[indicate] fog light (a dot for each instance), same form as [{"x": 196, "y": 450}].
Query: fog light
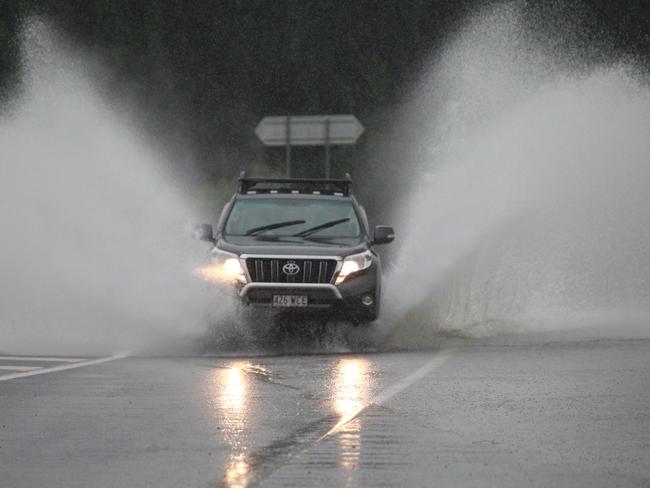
[{"x": 367, "y": 300}]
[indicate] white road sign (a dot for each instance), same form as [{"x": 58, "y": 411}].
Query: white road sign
[{"x": 309, "y": 130}]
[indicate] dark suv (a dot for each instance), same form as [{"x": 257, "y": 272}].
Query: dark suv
[{"x": 299, "y": 246}]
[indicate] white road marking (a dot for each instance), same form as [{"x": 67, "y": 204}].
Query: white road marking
[
  {"x": 40, "y": 358},
  {"x": 15, "y": 367},
  {"x": 63, "y": 367},
  {"x": 393, "y": 390}
]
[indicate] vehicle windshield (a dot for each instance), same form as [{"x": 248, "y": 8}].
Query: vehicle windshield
[{"x": 300, "y": 220}]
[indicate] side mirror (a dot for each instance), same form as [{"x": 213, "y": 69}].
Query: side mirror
[
  {"x": 203, "y": 232},
  {"x": 383, "y": 234}
]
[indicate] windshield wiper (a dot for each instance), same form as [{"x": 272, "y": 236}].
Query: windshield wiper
[
  {"x": 318, "y": 228},
  {"x": 274, "y": 238},
  {"x": 277, "y": 225}
]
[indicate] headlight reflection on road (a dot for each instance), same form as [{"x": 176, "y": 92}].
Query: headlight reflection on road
[
  {"x": 233, "y": 398},
  {"x": 231, "y": 386},
  {"x": 237, "y": 471},
  {"x": 351, "y": 391},
  {"x": 349, "y": 386}
]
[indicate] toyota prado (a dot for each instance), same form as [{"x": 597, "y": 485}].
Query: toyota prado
[{"x": 298, "y": 245}]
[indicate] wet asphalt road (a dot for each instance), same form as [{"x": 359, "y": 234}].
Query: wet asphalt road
[{"x": 475, "y": 414}]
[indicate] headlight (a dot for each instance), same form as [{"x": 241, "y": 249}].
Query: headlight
[
  {"x": 354, "y": 263},
  {"x": 225, "y": 268},
  {"x": 232, "y": 268}
]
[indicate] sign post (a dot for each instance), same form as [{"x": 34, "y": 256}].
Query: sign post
[
  {"x": 327, "y": 148},
  {"x": 287, "y": 156},
  {"x": 309, "y": 130}
]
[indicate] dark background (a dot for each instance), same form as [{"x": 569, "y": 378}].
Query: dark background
[{"x": 206, "y": 72}]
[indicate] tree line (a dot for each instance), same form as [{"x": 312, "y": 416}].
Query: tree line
[{"x": 208, "y": 70}]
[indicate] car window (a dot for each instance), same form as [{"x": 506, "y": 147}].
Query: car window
[{"x": 249, "y": 214}]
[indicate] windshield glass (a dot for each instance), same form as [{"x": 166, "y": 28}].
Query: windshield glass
[{"x": 293, "y": 219}]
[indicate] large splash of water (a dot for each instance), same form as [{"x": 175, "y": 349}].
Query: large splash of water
[
  {"x": 95, "y": 255},
  {"x": 532, "y": 207}
]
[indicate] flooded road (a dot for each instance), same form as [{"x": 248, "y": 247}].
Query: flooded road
[{"x": 475, "y": 414}]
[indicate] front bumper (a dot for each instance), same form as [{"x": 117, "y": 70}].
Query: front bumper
[{"x": 326, "y": 300}]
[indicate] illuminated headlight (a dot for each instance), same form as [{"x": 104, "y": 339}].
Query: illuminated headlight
[
  {"x": 232, "y": 268},
  {"x": 354, "y": 263},
  {"x": 225, "y": 268}
]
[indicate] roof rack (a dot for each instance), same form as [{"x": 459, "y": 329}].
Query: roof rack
[{"x": 317, "y": 186}]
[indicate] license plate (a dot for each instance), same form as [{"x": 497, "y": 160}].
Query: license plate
[{"x": 290, "y": 301}]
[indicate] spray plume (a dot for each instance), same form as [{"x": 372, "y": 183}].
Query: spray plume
[
  {"x": 95, "y": 256},
  {"x": 532, "y": 208}
]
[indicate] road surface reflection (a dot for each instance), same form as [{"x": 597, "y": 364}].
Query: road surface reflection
[
  {"x": 349, "y": 387},
  {"x": 231, "y": 388},
  {"x": 351, "y": 391}
]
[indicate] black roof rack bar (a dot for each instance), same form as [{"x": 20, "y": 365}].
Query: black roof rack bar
[{"x": 305, "y": 184}]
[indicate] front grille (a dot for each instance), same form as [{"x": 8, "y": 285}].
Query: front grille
[{"x": 270, "y": 270}]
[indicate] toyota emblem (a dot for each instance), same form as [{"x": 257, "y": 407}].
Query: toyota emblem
[{"x": 291, "y": 269}]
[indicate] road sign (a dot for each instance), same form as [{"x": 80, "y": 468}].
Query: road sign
[{"x": 309, "y": 130}]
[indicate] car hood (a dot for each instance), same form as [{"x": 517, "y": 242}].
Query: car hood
[{"x": 281, "y": 249}]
